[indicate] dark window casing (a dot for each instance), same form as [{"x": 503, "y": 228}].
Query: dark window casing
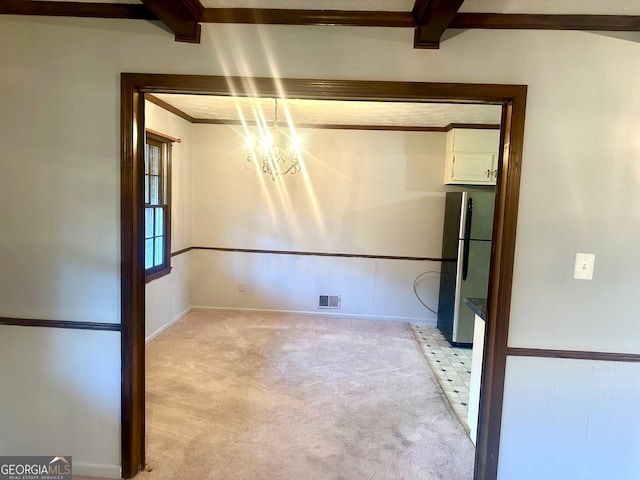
[{"x": 157, "y": 206}]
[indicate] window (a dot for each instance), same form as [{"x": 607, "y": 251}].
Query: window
[{"x": 157, "y": 206}]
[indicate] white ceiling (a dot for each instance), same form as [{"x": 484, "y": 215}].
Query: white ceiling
[
  {"x": 551, "y": 7},
  {"x": 322, "y": 112}
]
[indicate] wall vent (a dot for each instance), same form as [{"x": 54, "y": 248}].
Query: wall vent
[{"x": 329, "y": 301}]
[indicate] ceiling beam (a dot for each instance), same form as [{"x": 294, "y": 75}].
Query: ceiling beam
[
  {"x": 190, "y": 12},
  {"x": 608, "y": 23},
  {"x": 180, "y": 16},
  {"x": 307, "y": 17},
  {"x": 76, "y": 9},
  {"x": 432, "y": 18}
]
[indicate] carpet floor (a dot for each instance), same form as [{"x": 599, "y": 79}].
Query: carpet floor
[{"x": 251, "y": 396}]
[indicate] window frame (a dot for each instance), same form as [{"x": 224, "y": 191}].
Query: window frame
[{"x": 164, "y": 186}]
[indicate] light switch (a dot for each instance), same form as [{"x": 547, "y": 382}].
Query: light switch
[{"x": 583, "y": 268}]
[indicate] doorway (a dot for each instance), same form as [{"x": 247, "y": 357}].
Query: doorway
[{"x": 511, "y": 97}]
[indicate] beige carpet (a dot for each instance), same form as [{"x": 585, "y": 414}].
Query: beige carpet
[{"x": 242, "y": 396}]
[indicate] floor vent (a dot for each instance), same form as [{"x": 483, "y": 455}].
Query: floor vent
[{"x": 329, "y": 301}]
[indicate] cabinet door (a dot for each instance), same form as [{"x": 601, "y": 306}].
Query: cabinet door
[
  {"x": 472, "y": 169},
  {"x": 473, "y": 141}
]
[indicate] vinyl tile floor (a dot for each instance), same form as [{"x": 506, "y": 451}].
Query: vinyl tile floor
[{"x": 451, "y": 366}]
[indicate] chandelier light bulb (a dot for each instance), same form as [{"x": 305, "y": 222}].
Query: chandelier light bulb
[
  {"x": 296, "y": 143},
  {"x": 278, "y": 155}
]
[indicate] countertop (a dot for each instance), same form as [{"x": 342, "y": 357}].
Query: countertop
[{"x": 477, "y": 306}]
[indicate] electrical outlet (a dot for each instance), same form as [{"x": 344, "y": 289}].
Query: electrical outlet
[{"x": 583, "y": 268}]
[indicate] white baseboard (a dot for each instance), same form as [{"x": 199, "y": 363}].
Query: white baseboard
[
  {"x": 167, "y": 325},
  {"x": 323, "y": 313},
  {"x": 97, "y": 470}
]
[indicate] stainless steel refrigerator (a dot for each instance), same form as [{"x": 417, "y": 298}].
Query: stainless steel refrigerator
[{"x": 466, "y": 250}]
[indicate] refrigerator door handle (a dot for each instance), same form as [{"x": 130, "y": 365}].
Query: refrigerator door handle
[{"x": 467, "y": 239}]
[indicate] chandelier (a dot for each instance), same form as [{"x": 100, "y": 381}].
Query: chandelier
[{"x": 275, "y": 154}]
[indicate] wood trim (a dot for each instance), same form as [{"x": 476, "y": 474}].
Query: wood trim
[
  {"x": 265, "y": 87},
  {"x": 322, "y": 254},
  {"x": 190, "y": 37},
  {"x": 311, "y": 254},
  {"x": 500, "y": 284},
  {"x": 612, "y": 23},
  {"x": 603, "y": 23},
  {"x": 512, "y": 97},
  {"x": 32, "y": 322},
  {"x": 168, "y": 212},
  {"x": 215, "y": 121},
  {"x": 330, "y": 126},
  {"x": 165, "y": 171},
  {"x": 76, "y": 9},
  {"x": 195, "y": 8},
  {"x": 432, "y": 18},
  {"x": 132, "y": 277},
  {"x": 573, "y": 354},
  {"x": 180, "y": 16},
  {"x": 180, "y": 252},
  {"x": 266, "y": 16},
  {"x": 377, "y": 128},
  {"x": 473, "y": 126},
  {"x": 168, "y": 107},
  {"x": 163, "y": 135},
  {"x": 158, "y": 273}
]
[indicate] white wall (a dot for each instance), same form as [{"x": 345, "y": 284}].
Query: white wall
[
  {"x": 167, "y": 298},
  {"x": 59, "y": 255},
  {"x": 61, "y": 395},
  {"x": 360, "y": 192},
  {"x": 575, "y": 418},
  {"x": 59, "y": 87},
  {"x": 363, "y": 192},
  {"x": 376, "y": 289}
]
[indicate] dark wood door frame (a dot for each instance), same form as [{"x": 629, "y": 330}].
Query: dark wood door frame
[{"x": 133, "y": 88}]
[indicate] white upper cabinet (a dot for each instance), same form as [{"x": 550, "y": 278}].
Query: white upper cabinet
[{"x": 472, "y": 156}]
